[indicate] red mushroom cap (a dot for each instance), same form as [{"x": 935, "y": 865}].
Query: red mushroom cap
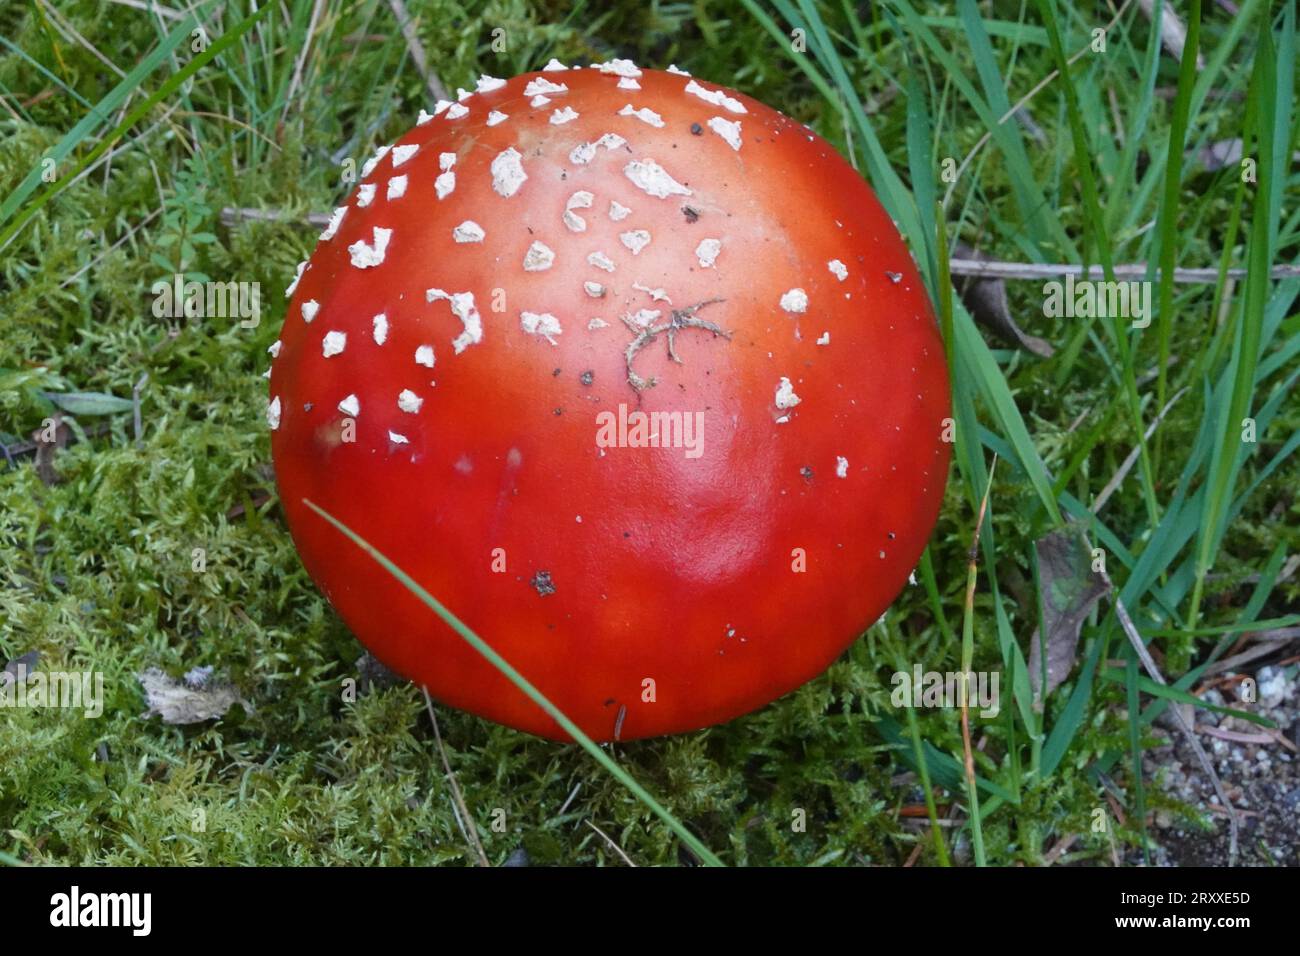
[{"x": 528, "y": 292}]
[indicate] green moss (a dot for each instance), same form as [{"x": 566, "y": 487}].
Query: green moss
[{"x": 97, "y": 571}]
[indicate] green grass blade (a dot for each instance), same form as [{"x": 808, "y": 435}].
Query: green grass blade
[
  {"x": 1167, "y": 220},
  {"x": 1169, "y": 692},
  {"x": 1135, "y": 747},
  {"x": 1227, "y": 458},
  {"x": 518, "y": 679}
]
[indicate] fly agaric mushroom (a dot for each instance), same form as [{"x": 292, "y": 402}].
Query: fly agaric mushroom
[{"x": 632, "y": 372}]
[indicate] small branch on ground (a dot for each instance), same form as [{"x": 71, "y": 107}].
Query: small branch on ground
[
  {"x": 1149, "y": 665},
  {"x": 412, "y": 37},
  {"x": 467, "y": 821}
]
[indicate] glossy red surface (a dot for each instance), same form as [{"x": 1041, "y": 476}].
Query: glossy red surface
[{"x": 665, "y": 567}]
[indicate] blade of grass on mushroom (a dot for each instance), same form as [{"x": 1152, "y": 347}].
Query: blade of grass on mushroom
[{"x": 518, "y": 679}]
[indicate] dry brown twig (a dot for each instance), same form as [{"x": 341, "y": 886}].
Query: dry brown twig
[
  {"x": 1132, "y": 458},
  {"x": 617, "y": 849},
  {"x": 412, "y": 37},
  {"x": 1149, "y": 665},
  {"x": 302, "y": 58},
  {"x": 466, "y": 821},
  {"x": 971, "y": 572}
]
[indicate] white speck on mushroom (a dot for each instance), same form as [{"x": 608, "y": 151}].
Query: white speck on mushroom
[
  {"x": 824, "y": 339},
  {"x": 635, "y": 239},
  {"x": 565, "y": 114},
  {"x": 410, "y": 403},
  {"x": 446, "y": 161},
  {"x": 508, "y": 172},
  {"x": 297, "y": 277},
  {"x": 380, "y": 328},
  {"x": 350, "y": 406},
  {"x": 716, "y": 97},
  {"x": 396, "y": 188},
  {"x": 601, "y": 261},
  {"x": 398, "y": 439},
  {"x": 617, "y": 211},
  {"x": 654, "y": 179},
  {"x": 441, "y": 107},
  {"x": 468, "y": 231},
  {"x": 594, "y": 289},
  {"x": 496, "y": 116},
  {"x": 423, "y": 118},
  {"x": 727, "y": 129},
  {"x": 597, "y": 324},
  {"x": 462, "y": 306},
  {"x": 795, "y": 301},
  {"x": 645, "y": 115},
  {"x": 841, "y": 467},
  {"x": 369, "y": 165},
  {"x": 365, "y": 195},
  {"x": 539, "y": 257},
  {"x": 539, "y": 100},
  {"x": 333, "y": 343},
  {"x": 273, "y": 413},
  {"x": 553, "y": 65},
  {"x": 456, "y": 111},
  {"x": 656, "y": 295},
  {"x": 309, "y": 310},
  {"x": 582, "y": 199},
  {"x": 584, "y": 153},
  {"x": 445, "y": 184},
  {"x": 366, "y": 255},
  {"x": 839, "y": 269},
  {"x": 541, "y": 323},
  {"x": 539, "y": 85},
  {"x": 643, "y": 317},
  {"x": 620, "y": 68},
  {"x": 274, "y": 348},
  {"x": 627, "y": 83},
  {"x": 486, "y": 84},
  {"x": 707, "y": 252},
  {"x": 402, "y": 153},
  {"x": 424, "y": 356},
  {"x": 336, "y": 220},
  {"x": 673, "y": 68},
  {"x": 462, "y": 94},
  {"x": 785, "y": 396}
]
